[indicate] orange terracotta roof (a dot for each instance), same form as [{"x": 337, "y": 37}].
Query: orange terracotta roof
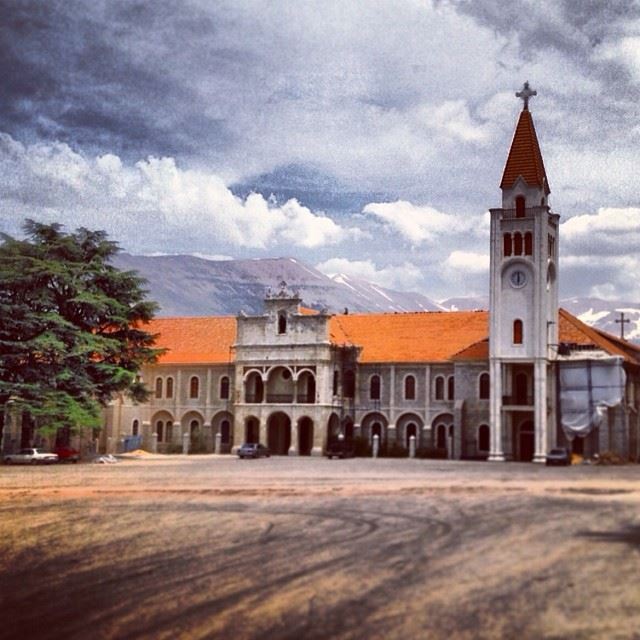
[
  {"x": 203, "y": 340},
  {"x": 476, "y": 351},
  {"x": 437, "y": 336},
  {"x": 525, "y": 158},
  {"x": 409, "y": 337}
]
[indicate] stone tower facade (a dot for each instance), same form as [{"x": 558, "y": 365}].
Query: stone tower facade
[{"x": 523, "y": 302}]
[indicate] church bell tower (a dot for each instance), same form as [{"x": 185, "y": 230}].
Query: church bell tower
[{"x": 523, "y": 301}]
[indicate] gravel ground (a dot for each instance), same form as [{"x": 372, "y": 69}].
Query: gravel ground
[{"x": 215, "y": 547}]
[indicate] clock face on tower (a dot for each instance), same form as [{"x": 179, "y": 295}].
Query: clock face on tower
[{"x": 518, "y": 278}]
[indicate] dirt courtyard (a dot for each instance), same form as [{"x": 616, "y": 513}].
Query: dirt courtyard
[{"x": 215, "y": 547}]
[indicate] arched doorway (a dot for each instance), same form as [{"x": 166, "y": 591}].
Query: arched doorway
[
  {"x": 305, "y": 436},
  {"x": 526, "y": 441},
  {"x": 333, "y": 428},
  {"x": 411, "y": 430},
  {"x": 279, "y": 433},
  {"x": 252, "y": 430}
]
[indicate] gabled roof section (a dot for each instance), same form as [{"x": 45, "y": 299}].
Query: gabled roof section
[
  {"x": 203, "y": 340},
  {"x": 574, "y": 331},
  {"x": 476, "y": 351},
  {"x": 432, "y": 336},
  {"x": 525, "y": 158}
]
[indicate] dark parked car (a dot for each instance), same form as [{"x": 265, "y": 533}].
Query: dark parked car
[
  {"x": 253, "y": 450},
  {"x": 559, "y": 456},
  {"x": 67, "y": 454},
  {"x": 340, "y": 449}
]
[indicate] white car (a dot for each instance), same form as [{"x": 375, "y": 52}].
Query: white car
[{"x": 31, "y": 456}]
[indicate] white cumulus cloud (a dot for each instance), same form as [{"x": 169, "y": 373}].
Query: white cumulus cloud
[
  {"x": 417, "y": 224},
  {"x": 136, "y": 202}
]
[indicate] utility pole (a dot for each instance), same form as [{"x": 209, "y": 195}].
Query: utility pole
[{"x": 622, "y": 321}]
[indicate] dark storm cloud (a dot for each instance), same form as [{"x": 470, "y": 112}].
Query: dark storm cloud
[{"x": 98, "y": 76}]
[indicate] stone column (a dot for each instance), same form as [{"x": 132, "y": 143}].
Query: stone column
[
  {"x": 186, "y": 438},
  {"x": 293, "y": 447},
  {"x": 154, "y": 442},
  {"x": 218, "y": 446},
  {"x": 412, "y": 446},
  {"x": 496, "y": 454},
  {"x": 540, "y": 410}
]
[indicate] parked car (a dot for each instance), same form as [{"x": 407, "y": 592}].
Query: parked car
[
  {"x": 253, "y": 450},
  {"x": 67, "y": 454},
  {"x": 31, "y": 456},
  {"x": 559, "y": 456},
  {"x": 340, "y": 449}
]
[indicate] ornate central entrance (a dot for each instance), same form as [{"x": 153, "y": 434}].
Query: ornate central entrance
[{"x": 279, "y": 433}]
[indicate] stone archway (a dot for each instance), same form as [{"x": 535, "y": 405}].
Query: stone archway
[
  {"x": 252, "y": 430},
  {"x": 279, "y": 433},
  {"x": 305, "y": 436}
]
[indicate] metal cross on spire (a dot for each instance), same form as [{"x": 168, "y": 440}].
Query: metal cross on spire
[{"x": 525, "y": 94}]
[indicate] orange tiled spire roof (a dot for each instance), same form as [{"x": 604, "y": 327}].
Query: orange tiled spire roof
[{"x": 525, "y": 158}]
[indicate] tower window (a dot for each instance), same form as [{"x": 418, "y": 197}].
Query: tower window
[
  {"x": 409, "y": 388},
  {"x": 158, "y": 387},
  {"x": 450, "y": 388},
  {"x": 282, "y": 322},
  {"x": 506, "y": 241},
  {"x": 528, "y": 244},
  {"x": 374, "y": 388},
  {"x": 520, "y": 202},
  {"x": 335, "y": 383},
  {"x": 484, "y": 386},
  {"x": 194, "y": 387},
  {"x": 439, "y": 388},
  {"x": 169, "y": 388},
  {"x": 517, "y": 332},
  {"x": 517, "y": 244}
]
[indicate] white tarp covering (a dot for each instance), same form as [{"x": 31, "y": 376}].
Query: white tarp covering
[{"x": 587, "y": 388}]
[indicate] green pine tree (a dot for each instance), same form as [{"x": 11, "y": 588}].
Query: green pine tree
[{"x": 72, "y": 326}]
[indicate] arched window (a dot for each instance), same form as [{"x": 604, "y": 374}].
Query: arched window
[
  {"x": 158, "y": 387},
  {"x": 528, "y": 244},
  {"x": 349, "y": 384},
  {"x": 194, "y": 387},
  {"x": 450, "y": 387},
  {"x": 376, "y": 430},
  {"x": 335, "y": 383},
  {"x": 507, "y": 248},
  {"x": 374, "y": 388},
  {"x": 520, "y": 203},
  {"x": 484, "y": 386},
  {"x": 517, "y": 332},
  {"x": 135, "y": 427},
  {"x": 169, "y": 388},
  {"x": 483, "y": 437},
  {"x": 225, "y": 432},
  {"x": 160, "y": 430},
  {"x": 517, "y": 244},
  {"x": 282, "y": 322},
  {"x": 224, "y": 388},
  {"x": 439, "y": 388},
  {"x": 409, "y": 388}
]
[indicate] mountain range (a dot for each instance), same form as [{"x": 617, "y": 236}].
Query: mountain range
[{"x": 185, "y": 285}]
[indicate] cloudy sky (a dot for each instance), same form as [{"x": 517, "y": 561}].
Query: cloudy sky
[{"x": 364, "y": 137}]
